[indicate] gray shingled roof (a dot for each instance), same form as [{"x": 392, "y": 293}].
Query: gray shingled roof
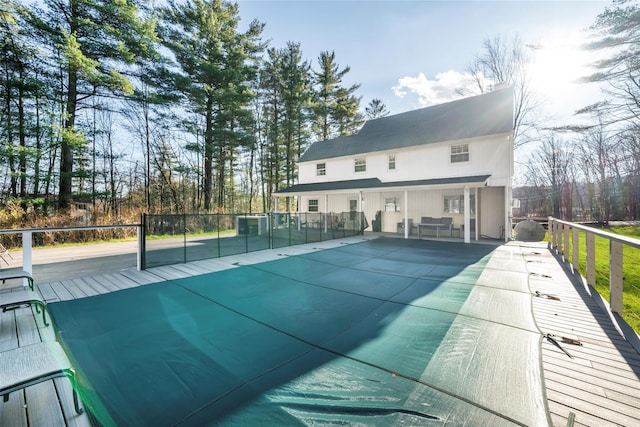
[
  {"x": 482, "y": 115},
  {"x": 370, "y": 183}
]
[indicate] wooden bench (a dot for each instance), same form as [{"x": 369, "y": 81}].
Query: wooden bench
[{"x": 429, "y": 223}]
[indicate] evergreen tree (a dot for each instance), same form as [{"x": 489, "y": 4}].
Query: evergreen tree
[
  {"x": 286, "y": 88},
  {"x": 215, "y": 67},
  {"x": 376, "y": 109},
  {"x": 617, "y": 33},
  {"x": 335, "y": 107}
]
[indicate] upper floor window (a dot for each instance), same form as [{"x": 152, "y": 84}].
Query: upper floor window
[
  {"x": 392, "y": 162},
  {"x": 460, "y": 153},
  {"x": 313, "y": 205},
  {"x": 321, "y": 169},
  {"x": 360, "y": 165}
]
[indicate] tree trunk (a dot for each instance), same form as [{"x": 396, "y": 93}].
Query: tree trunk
[
  {"x": 208, "y": 156},
  {"x": 66, "y": 148}
]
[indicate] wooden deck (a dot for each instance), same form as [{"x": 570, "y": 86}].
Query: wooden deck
[{"x": 600, "y": 385}]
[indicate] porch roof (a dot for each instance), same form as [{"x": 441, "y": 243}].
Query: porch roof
[{"x": 375, "y": 183}]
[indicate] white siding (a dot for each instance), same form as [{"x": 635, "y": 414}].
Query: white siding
[
  {"x": 490, "y": 156},
  {"x": 492, "y": 205}
]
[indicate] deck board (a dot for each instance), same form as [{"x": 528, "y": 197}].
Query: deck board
[{"x": 600, "y": 385}]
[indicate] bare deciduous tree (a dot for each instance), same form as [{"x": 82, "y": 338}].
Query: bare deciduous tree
[{"x": 507, "y": 60}]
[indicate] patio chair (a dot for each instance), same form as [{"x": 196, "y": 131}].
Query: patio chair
[
  {"x": 32, "y": 364},
  {"x": 4, "y": 254},
  {"x": 16, "y": 274},
  {"x": 19, "y": 298},
  {"x": 23, "y": 298}
]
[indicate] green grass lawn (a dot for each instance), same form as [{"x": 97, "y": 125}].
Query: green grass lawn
[{"x": 631, "y": 271}]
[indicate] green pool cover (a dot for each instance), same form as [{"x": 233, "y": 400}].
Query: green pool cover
[{"x": 383, "y": 332}]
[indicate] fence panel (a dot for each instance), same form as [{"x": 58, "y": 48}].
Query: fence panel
[{"x": 171, "y": 239}]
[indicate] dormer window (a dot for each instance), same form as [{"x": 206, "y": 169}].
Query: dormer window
[
  {"x": 360, "y": 165},
  {"x": 460, "y": 153},
  {"x": 321, "y": 169}
]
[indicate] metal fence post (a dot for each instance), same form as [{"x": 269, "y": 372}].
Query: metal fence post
[{"x": 142, "y": 247}]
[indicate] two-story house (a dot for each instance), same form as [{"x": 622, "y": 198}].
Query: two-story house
[{"x": 432, "y": 162}]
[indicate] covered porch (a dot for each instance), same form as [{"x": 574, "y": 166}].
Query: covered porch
[{"x": 417, "y": 208}]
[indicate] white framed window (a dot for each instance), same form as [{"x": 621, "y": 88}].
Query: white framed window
[
  {"x": 455, "y": 204},
  {"x": 391, "y": 204},
  {"x": 460, "y": 153},
  {"x": 392, "y": 162},
  {"x": 321, "y": 169},
  {"x": 313, "y": 205},
  {"x": 360, "y": 164}
]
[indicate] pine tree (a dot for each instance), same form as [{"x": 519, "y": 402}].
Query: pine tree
[
  {"x": 286, "y": 87},
  {"x": 376, "y": 109},
  {"x": 215, "y": 64},
  {"x": 335, "y": 107}
]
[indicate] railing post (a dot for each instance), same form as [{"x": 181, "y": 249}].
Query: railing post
[
  {"x": 591, "y": 258},
  {"x": 551, "y": 241},
  {"x": 565, "y": 253},
  {"x": 559, "y": 242},
  {"x": 615, "y": 276},
  {"x": 27, "y": 254},
  {"x": 575, "y": 256}
]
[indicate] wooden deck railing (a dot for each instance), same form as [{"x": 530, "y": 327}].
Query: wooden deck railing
[{"x": 564, "y": 235}]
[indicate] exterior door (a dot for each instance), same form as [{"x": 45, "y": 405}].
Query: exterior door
[{"x": 353, "y": 209}]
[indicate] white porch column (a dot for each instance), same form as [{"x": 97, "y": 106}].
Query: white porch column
[
  {"x": 299, "y": 212},
  {"x": 275, "y": 204},
  {"x": 360, "y": 209},
  {"x": 467, "y": 215},
  {"x": 476, "y": 201},
  {"x": 507, "y": 213},
  {"x": 326, "y": 212},
  {"x": 406, "y": 214}
]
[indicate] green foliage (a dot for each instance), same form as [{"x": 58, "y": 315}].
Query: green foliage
[
  {"x": 631, "y": 270},
  {"x": 335, "y": 107},
  {"x": 215, "y": 65},
  {"x": 617, "y": 35}
]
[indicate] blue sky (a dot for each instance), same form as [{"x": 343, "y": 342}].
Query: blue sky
[{"x": 414, "y": 53}]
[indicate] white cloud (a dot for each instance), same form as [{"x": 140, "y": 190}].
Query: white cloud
[{"x": 445, "y": 87}]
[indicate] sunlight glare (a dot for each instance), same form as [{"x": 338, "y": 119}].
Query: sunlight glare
[{"x": 558, "y": 65}]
